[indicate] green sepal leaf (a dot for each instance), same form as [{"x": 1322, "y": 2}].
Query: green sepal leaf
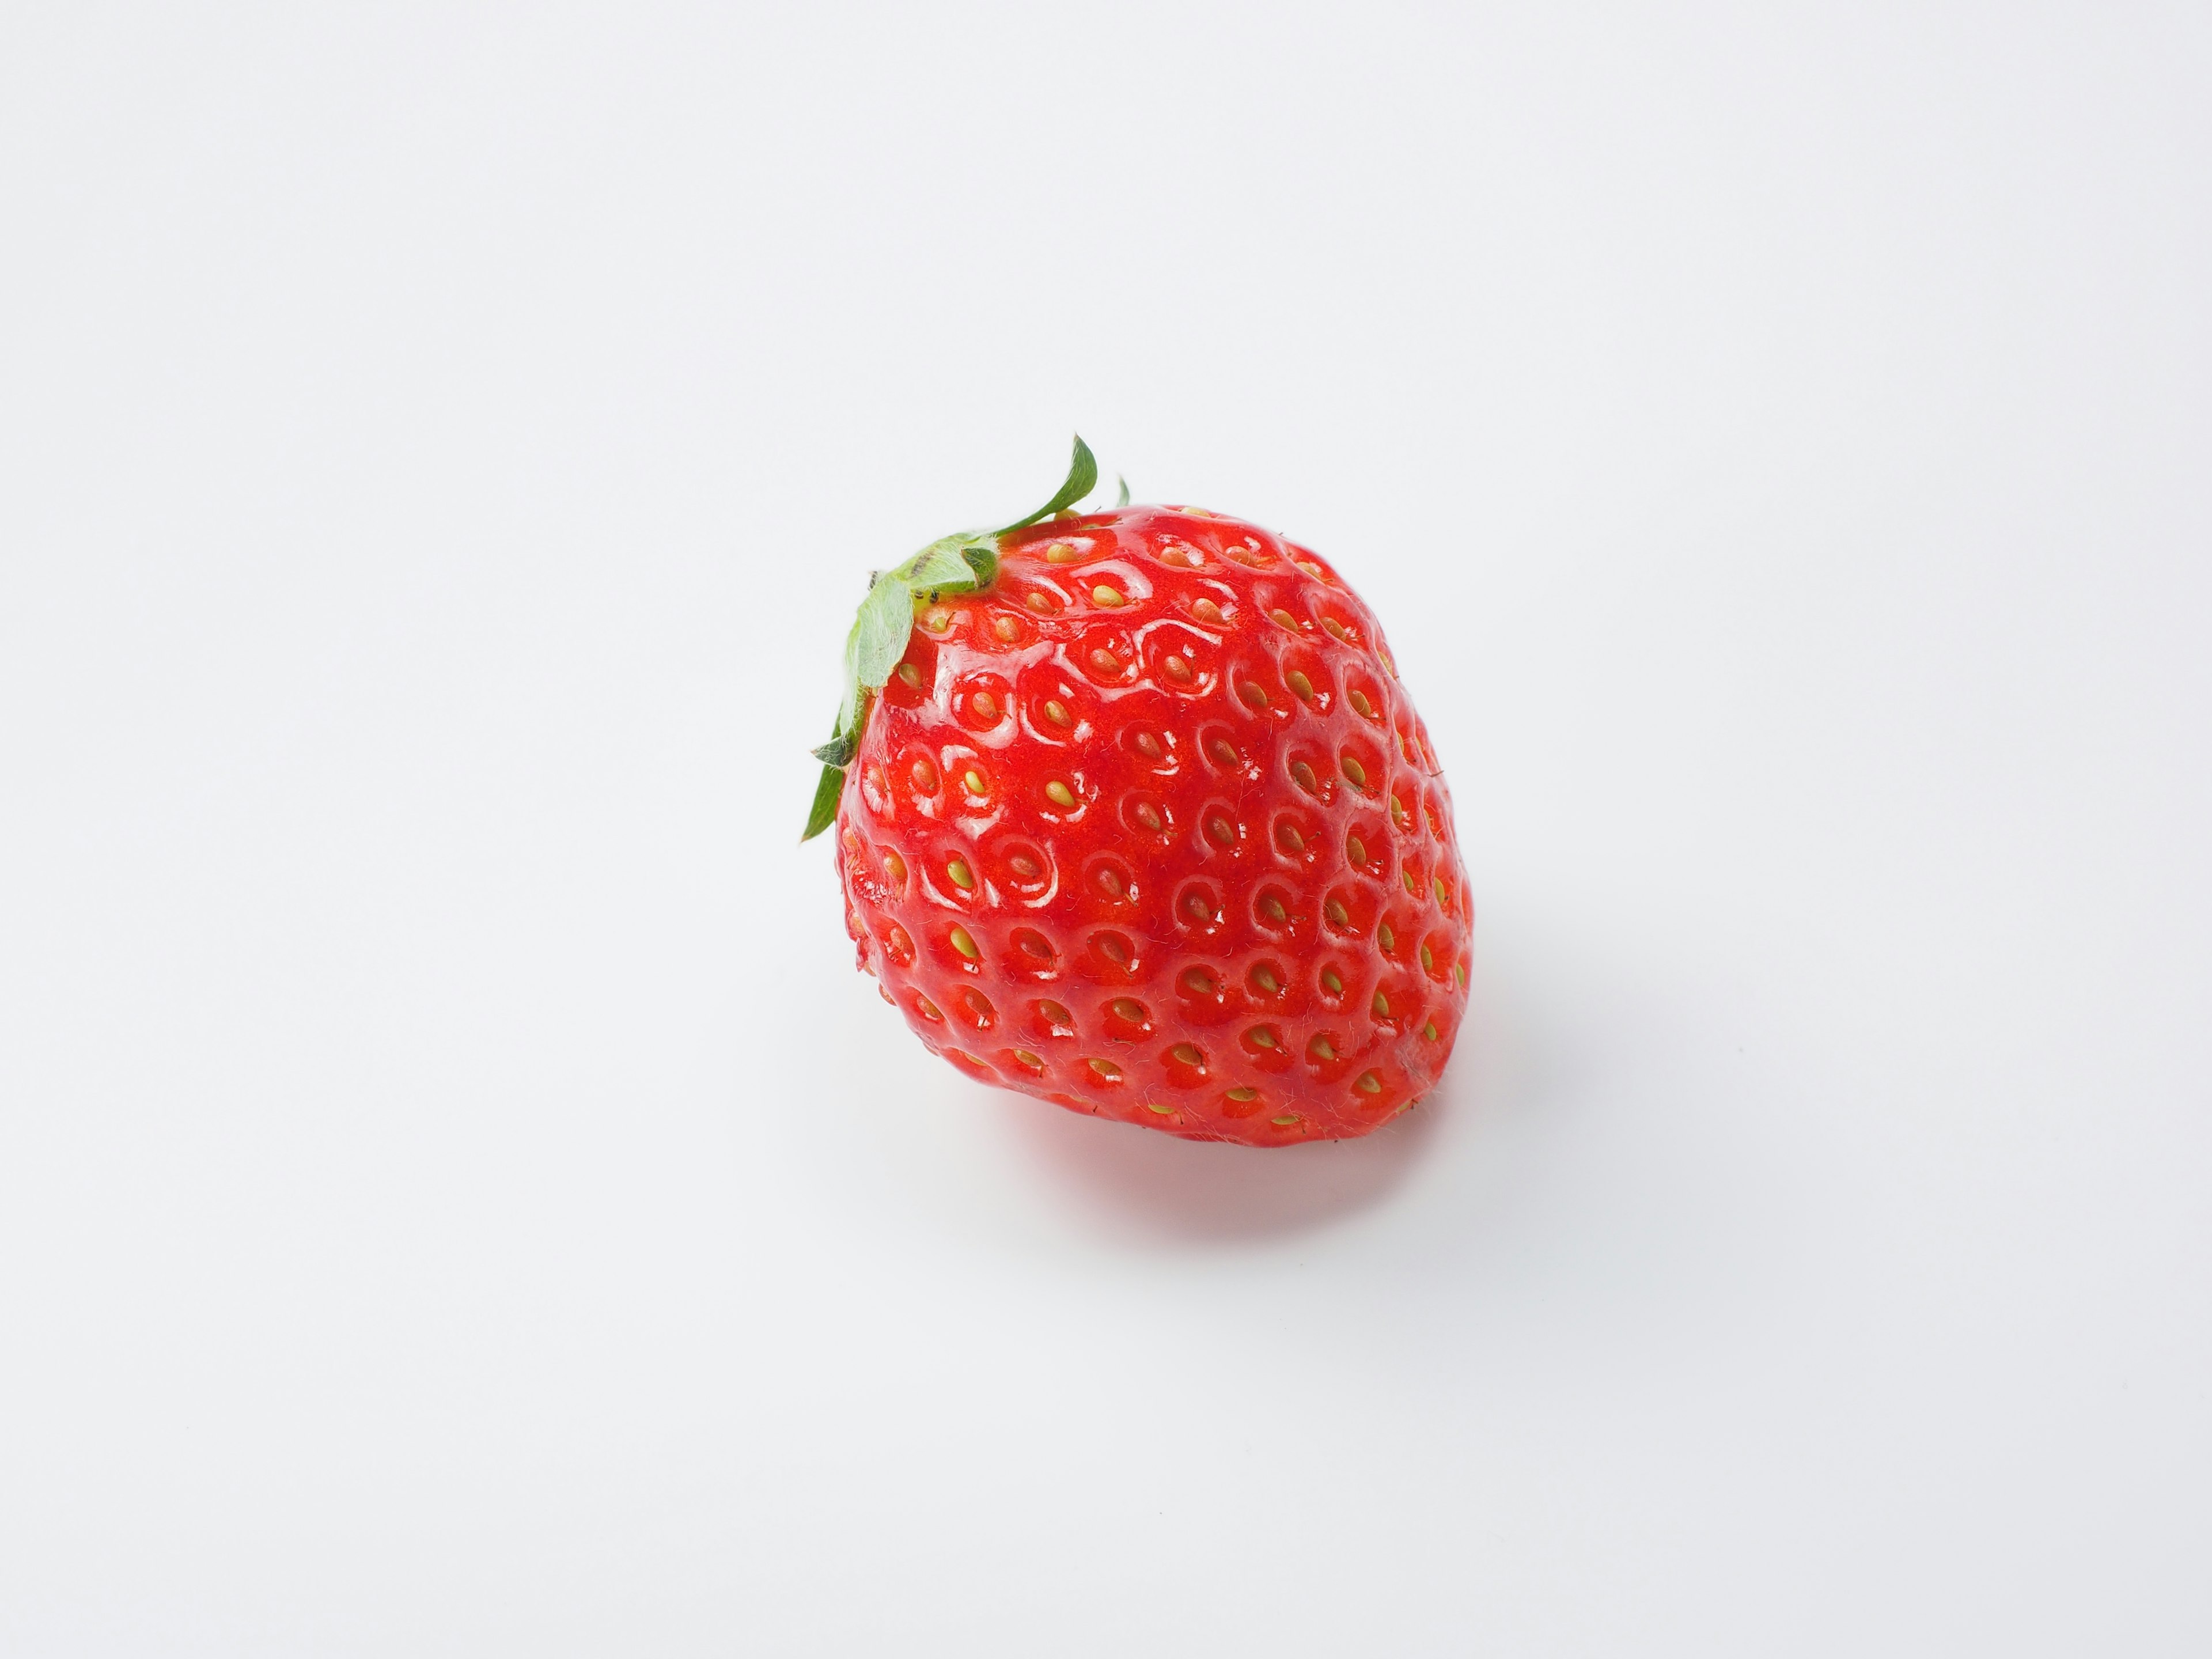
[
  {"x": 1082, "y": 479},
  {"x": 839, "y": 750},
  {"x": 875, "y": 645},
  {"x": 953, "y": 564},
  {"x": 824, "y": 813},
  {"x": 1122, "y": 499},
  {"x": 982, "y": 558}
]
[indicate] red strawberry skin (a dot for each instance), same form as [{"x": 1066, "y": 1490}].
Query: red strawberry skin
[{"x": 1150, "y": 830}]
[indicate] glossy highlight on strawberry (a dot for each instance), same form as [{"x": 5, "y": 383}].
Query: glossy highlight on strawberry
[{"x": 1144, "y": 823}]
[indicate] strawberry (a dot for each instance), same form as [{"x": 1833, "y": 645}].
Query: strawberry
[{"x": 1133, "y": 815}]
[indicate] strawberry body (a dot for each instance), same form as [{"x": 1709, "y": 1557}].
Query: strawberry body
[{"x": 1148, "y": 828}]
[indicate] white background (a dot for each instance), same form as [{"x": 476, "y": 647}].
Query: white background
[{"x": 456, "y": 1196}]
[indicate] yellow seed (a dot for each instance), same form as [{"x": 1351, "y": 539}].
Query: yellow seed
[
  {"x": 1197, "y": 907},
  {"x": 1272, "y": 907},
  {"x": 1128, "y": 1008},
  {"x": 1400, "y": 813},
  {"x": 1386, "y": 938},
  {"x": 1221, "y": 751},
  {"x": 1331, "y": 983},
  {"x": 1283, "y": 1122},
  {"x": 1361, "y": 706},
  {"x": 962, "y": 876},
  {"x": 1054, "y": 1014},
  {"x": 1338, "y": 915},
  {"x": 1443, "y": 898},
  {"x": 974, "y": 779},
  {"x": 1059, "y": 553},
  {"x": 1198, "y": 982},
  {"x": 1111, "y": 947},
  {"x": 986, "y": 706},
  {"x": 1288, "y": 835},
  {"x": 1335, "y": 628},
  {"x": 925, "y": 777},
  {"x": 1108, "y": 596},
  {"x": 1459, "y": 973},
  {"x": 927, "y": 1009},
  {"x": 1032, "y": 945},
  {"x": 1156, "y": 1106},
  {"x": 1217, "y": 830},
  {"x": 1038, "y": 603},
  {"x": 1106, "y": 1068},
  {"x": 1110, "y": 882},
  {"x": 1185, "y": 1054},
  {"x": 1309, "y": 566},
  {"x": 1058, "y": 794},
  {"x": 1240, "y": 1095},
  {"x": 1407, "y": 876},
  {"x": 895, "y": 867},
  {"x": 1207, "y": 612},
  {"x": 1283, "y": 618},
  {"x": 936, "y": 621},
  {"x": 1029, "y": 1059},
  {"x": 1355, "y": 849},
  {"x": 1369, "y": 1084},
  {"x": 1321, "y": 1049},
  {"x": 1429, "y": 1030},
  {"x": 1025, "y": 867},
  {"x": 909, "y": 674},
  {"x": 1265, "y": 979},
  {"x": 964, "y": 945},
  {"x": 1428, "y": 960},
  {"x": 1005, "y": 627},
  {"x": 1178, "y": 670},
  {"x": 1355, "y": 771},
  {"x": 1300, "y": 687},
  {"x": 1056, "y": 711},
  {"x": 1148, "y": 814},
  {"x": 1104, "y": 661},
  {"x": 1380, "y": 1007},
  {"x": 1303, "y": 776},
  {"x": 1254, "y": 695},
  {"x": 1149, "y": 746},
  {"x": 1261, "y": 1037}
]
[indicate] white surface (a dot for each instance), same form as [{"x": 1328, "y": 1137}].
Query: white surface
[{"x": 455, "y": 1195}]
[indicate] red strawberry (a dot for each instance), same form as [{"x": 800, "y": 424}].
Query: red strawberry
[{"x": 1142, "y": 821}]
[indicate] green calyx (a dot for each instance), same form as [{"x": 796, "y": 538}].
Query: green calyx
[{"x": 966, "y": 563}]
